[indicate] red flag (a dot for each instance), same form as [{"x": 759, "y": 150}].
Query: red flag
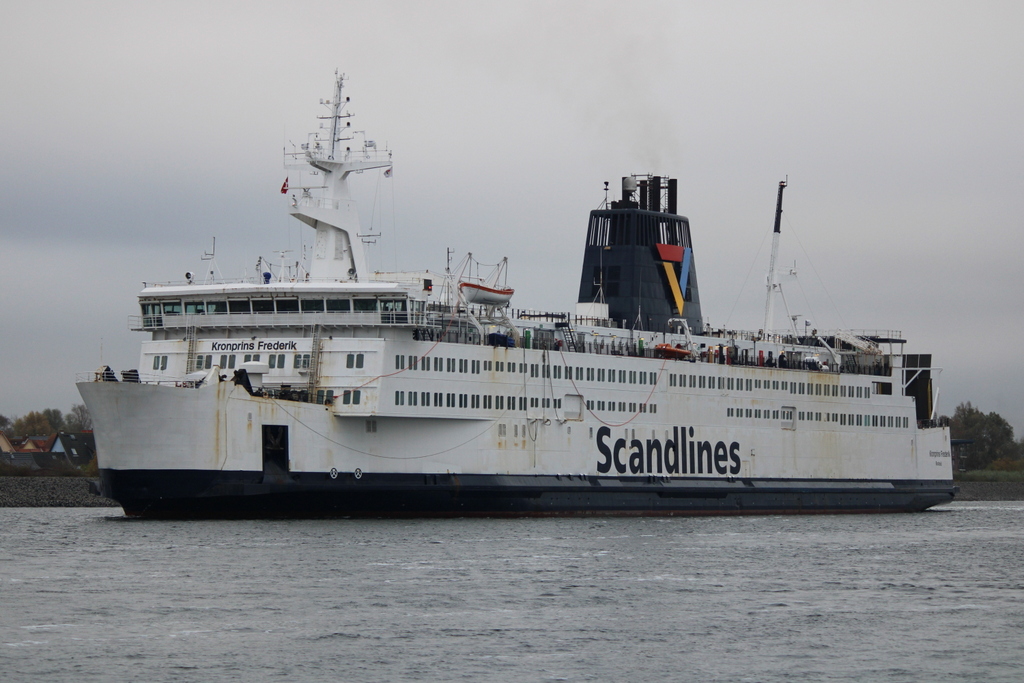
[
  {"x": 387, "y": 173},
  {"x": 284, "y": 188}
]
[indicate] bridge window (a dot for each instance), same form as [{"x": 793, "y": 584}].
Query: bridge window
[
  {"x": 309, "y": 305},
  {"x": 339, "y": 305},
  {"x": 287, "y": 305},
  {"x": 194, "y": 307},
  {"x": 213, "y": 307},
  {"x": 263, "y": 306},
  {"x": 239, "y": 306},
  {"x": 364, "y": 305},
  {"x": 172, "y": 308}
]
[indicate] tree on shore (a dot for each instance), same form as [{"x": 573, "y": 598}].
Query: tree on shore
[
  {"x": 78, "y": 419},
  {"x": 992, "y": 436},
  {"x": 55, "y": 418},
  {"x": 33, "y": 423},
  {"x": 5, "y": 424}
]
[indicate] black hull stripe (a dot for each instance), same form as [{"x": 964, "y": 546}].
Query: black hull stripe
[{"x": 211, "y": 494}]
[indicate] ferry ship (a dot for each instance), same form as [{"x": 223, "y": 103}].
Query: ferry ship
[{"x": 336, "y": 391}]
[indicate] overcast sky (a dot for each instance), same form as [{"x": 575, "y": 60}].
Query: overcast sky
[{"x": 133, "y": 133}]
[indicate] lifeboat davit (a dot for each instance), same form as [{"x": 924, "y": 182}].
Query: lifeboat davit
[
  {"x": 669, "y": 351},
  {"x": 487, "y": 296}
]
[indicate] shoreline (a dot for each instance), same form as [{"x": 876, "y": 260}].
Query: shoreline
[{"x": 74, "y": 492}]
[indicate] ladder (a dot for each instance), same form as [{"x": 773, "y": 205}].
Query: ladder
[
  {"x": 314, "y": 364},
  {"x": 190, "y": 337},
  {"x": 569, "y": 335}
]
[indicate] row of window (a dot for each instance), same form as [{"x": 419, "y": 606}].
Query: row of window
[
  {"x": 348, "y": 397},
  {"x": 472, "y": 401},
  {"x": 282, "y": 305},
  {"x": 621, "y": 406},
  {"x": 227, "y": 361},
  {"x": 844, "y": 419},
  {"x": 799, "y": 388},
  {"x": 475, "y": 367}
]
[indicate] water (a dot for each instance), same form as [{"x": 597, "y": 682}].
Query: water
[{"x": 87, "y": 595}]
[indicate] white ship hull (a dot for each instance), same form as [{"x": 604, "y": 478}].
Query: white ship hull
[{"x": 173, "y": 451}]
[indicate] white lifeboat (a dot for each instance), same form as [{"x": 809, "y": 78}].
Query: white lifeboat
[{"x": 476, "y": 293}]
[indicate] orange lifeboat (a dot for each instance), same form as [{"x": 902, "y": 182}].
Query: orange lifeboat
[{"x": 668, "y": 351}]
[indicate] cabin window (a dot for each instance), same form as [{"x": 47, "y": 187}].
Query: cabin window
[
  {"x": 364, "y": 305},
  {"x": 239, "y": 306},
  {"x": 339, "y": 304},
  {"x": 194, "y": 308},
  {"x": 463, "y": 400},
  {"x": 311, "y": 305},
  {"x": 276, "y": 360},
  {"x": 262, "y": 305},
  {"x": 463, "y": 367},
  {"x": 399, "y": 362},
  {"x": 172, "y": 308},
  {"x": 301, "y": 360},
  {"x": 476, "y": 367},
  {"x": 213, "y": 307},
  {"x": 287, "y": 305},
  {"x": 353, "y": 360}
]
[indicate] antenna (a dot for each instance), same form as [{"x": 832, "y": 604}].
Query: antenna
[
  {"x": 209, "y": 256},
  {"x": 772, "y": 285}
]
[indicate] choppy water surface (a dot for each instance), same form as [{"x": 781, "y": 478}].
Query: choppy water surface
[{"x": 86, "y": 595}]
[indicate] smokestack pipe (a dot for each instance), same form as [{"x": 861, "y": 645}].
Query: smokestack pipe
[
  {"x": 672, "y": 205},
  {"x": 655, "y": 193}
]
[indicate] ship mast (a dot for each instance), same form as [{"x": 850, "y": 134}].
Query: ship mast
[
  {"x": 772, "y": 284},
  {"x": 337, "y": 250}
]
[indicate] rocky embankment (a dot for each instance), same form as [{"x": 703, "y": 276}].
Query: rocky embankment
[
  {"x": 990, "y": 490},
  {"x": 42, "y": 492},
  {"x": 32, "y": 492}
]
